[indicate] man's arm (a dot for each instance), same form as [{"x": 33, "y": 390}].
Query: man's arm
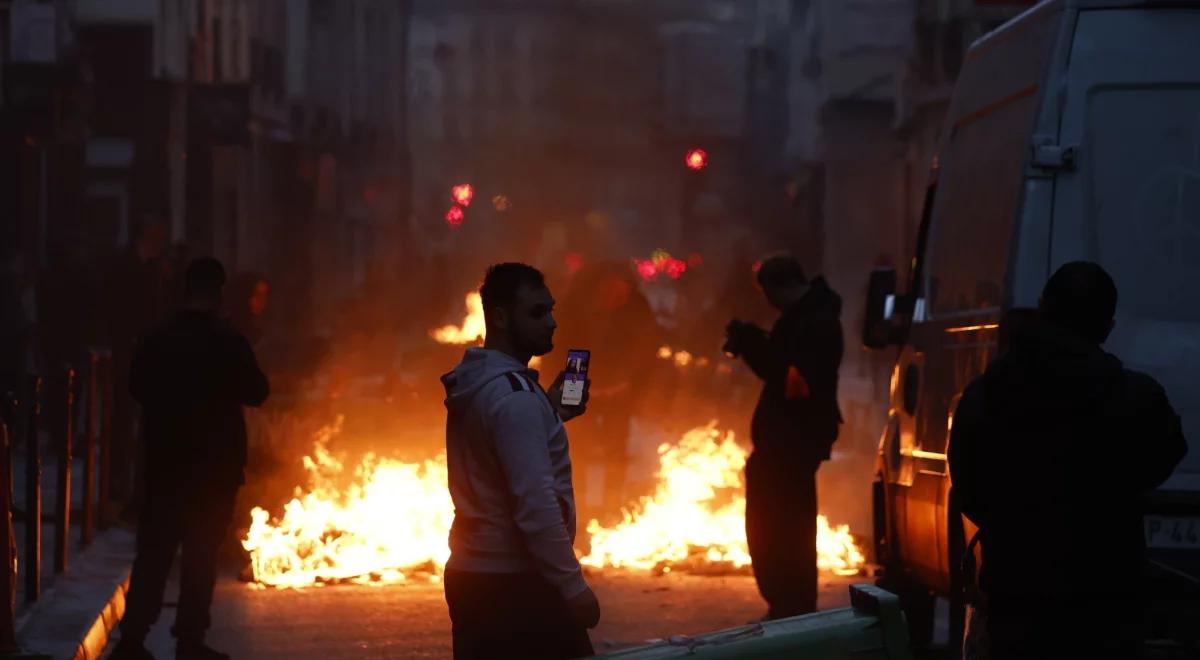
[
  {"x": 966, "y": 471},
  {"x": 249, "y": 382},
  {"x": 1154, "y": 432},
  {"x": 766, "y": 356},
  {"x": 522, "y": 448},
  {"x": 817, "y": 355}
]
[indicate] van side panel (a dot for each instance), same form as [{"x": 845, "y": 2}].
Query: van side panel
[
  {"x": 984, "y": 150},
  {"x": 1133, "y": 201}
]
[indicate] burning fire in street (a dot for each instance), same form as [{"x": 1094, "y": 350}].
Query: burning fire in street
[
  {"x": 472, "y": 330},
  {"x": 391, "y": 522},
  {"x": 698, "y": 507},
  {"x": 696, "y": 517}
]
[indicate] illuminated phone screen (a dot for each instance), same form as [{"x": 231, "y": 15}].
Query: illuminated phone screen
[{"x": 576, "y": 378}]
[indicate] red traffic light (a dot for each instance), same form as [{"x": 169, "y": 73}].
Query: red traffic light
[
  {"x": 696, "y": 159},
  {"x": 455, "y": 216},
  {"x": 463, "y": 193}
]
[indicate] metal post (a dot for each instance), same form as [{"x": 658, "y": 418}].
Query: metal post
[
  {"x": 62, "y": 509},
  {"x": 8, "y": 550},
  {"x": 89, "y": 456},
  {"x": 106, "y": 418},
  {"x": 33, "y": 492}
]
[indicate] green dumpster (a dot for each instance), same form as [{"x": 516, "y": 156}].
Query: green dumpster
[{"x": 872, "y": 627}]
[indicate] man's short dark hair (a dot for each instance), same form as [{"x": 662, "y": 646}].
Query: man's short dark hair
[
  {"x": 204, "y": 277},
  {"x": 502, "y": 282},
  {"x": 1083, "y": 297},
  {"x": 780, "y": 270}
]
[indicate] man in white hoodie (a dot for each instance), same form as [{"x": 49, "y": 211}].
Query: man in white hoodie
[{"x": 513, "y": 584}]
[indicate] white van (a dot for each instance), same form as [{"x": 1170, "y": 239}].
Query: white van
[{"x": 1073, "y": 133}]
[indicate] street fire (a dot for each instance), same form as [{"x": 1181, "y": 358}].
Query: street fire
[
  {"x": 695, "y": 520},
  {"x": 387, "y": 521},
  {"x": 390, "y": 523},
  {"x": 472, "y": 330}
]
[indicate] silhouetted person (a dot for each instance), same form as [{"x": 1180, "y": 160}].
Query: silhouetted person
[
  {"x": 192, "y": 375},
  {"x": 794, "y": 427},
  {"x": 1049, "y": 451},
  {"x": 513, "y": 584},
  {"x": 605, "y": 312}
]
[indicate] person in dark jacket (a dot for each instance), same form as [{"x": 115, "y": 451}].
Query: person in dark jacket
[
  {"x": 1049, "y": 450},
  {"x": 793, "y": 429},
  {"x": 192, "y": 375}
]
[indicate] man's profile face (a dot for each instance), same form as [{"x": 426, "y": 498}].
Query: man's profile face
[{"x": 531, "y": 320}]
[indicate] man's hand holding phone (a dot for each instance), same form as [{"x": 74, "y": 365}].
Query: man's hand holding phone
[
  {"x": 567, "y": 412},
  {"x": 569, "y": 394}
]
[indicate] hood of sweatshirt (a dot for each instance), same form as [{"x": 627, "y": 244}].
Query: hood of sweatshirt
[{"x": 478, "y": 367}]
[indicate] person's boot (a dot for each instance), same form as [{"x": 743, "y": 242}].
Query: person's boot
[
  {"x": 197, "y": 651},
  {"x": 128, "y": 648}
]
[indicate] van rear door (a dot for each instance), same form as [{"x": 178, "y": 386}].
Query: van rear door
[{"x": 1132, "y": 202}]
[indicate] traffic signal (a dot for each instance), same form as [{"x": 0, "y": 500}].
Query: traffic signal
[{"x": 463, "y": 193}]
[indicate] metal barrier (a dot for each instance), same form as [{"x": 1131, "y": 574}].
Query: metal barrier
[
  {"x": 106, "y": 434},
  {"x": 62, "y": 504},
  {"x": 89, "y": 450},
  {"x": 8, "y": 550},
  {"x": 31, "y": 410}
]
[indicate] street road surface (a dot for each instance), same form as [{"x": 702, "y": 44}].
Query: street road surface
[{"x": 410, "y": 621}]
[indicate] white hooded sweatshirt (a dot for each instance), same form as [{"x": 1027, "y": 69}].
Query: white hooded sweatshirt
[{"x": 509, "y": 473}]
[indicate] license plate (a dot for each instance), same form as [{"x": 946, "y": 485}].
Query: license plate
[{"x": 1172, "y": 532}]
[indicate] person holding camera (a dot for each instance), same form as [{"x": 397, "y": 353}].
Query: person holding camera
[{"x": 794, "y": 426}]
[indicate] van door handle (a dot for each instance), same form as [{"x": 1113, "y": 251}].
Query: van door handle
[{"x": 912, "y": 388}]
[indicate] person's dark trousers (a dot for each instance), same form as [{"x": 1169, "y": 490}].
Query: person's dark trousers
[
  {"x": 511, "y": 615},
  {"x": 175, "y": 516},
  {"x": 781, "y": 531},
  {"x": 1046, "y": 627}
]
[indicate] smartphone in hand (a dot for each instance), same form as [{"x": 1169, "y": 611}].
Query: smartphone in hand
[{"x": 576, "y": 376}]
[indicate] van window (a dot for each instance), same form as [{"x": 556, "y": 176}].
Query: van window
[
  {"x": 1143, "y": 171},
  {"x": 977, "y": 196}
]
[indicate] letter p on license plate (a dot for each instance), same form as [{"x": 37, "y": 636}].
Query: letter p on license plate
[{"x": 1172, "y": 532}]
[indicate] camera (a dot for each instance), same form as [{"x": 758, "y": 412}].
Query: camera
[{"x": 735, "y": 337}]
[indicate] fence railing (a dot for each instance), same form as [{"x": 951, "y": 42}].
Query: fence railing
[{"x": 24, "y": 416}]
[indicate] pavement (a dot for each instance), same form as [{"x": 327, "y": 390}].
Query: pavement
[
  {"x": 73, "y": 617},
  {"x": 411, "y": 621}
]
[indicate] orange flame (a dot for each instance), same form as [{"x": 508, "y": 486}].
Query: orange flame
[
  {"x": 388, "y": 521},
  {"x": 699, "y": 508},
  {"x": 473, "y": 328},
  {"x": 393, "y": 520}
]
